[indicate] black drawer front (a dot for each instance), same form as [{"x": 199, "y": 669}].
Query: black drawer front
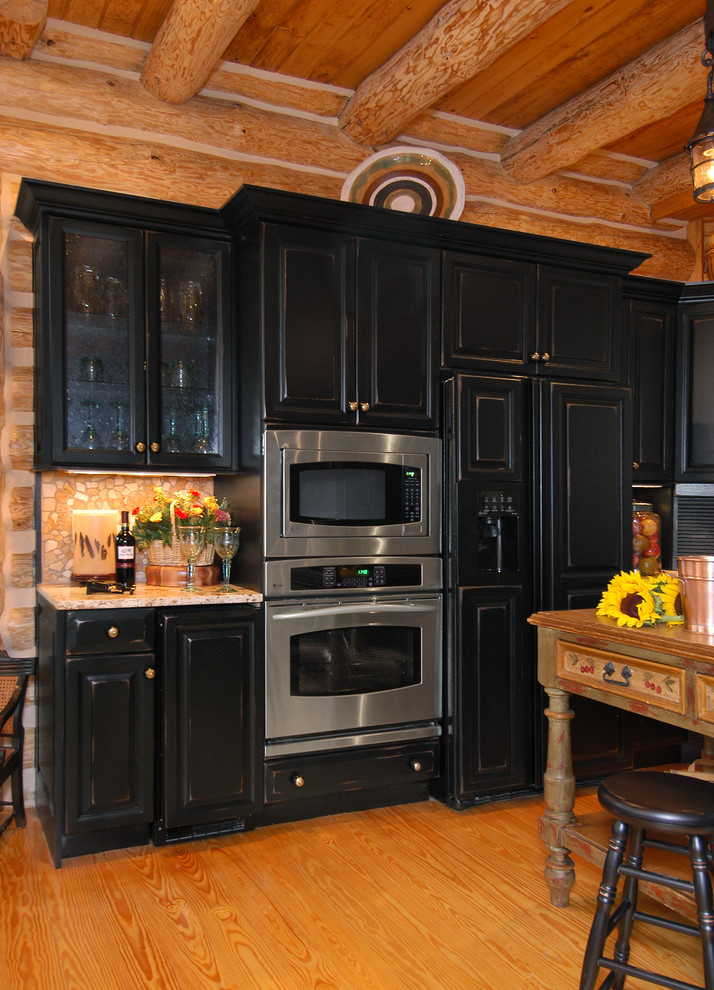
[
  {"x": 117, "y": 630},
  {"x": 317, "y": 775}
]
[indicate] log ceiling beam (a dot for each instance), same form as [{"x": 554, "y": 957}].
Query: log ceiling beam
[
  {"x": 649, "y": 88},
  {"x": 189, "y": 44},
  {"x": 462, "y": 39},
  {"x": 21, "y": 23}
]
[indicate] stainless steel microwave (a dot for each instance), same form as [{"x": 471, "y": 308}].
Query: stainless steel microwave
[{"x": 330, "y": 492}]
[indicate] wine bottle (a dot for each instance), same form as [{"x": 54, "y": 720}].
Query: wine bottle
[{"x": 125, "y": 551}]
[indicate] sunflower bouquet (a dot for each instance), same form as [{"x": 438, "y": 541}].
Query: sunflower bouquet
[
  {"x": 157, "y": 518},
  {"x": 636, "y": 600}
]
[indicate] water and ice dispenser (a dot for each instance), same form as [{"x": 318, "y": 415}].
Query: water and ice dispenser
[{"x": 498, "y": 523}]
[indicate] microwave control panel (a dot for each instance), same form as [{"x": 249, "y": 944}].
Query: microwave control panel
[{"x": 411, "y": 492}]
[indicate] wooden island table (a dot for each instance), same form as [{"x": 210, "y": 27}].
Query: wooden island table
[{"x": 665, "y": 673}]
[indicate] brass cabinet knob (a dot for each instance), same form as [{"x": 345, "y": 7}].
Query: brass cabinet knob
[
  {"x": 155, "y": 447},
  {"x": 364, "y": 406},
  {"x": 545, "y": 356},
  {"x": 149, "y": 673},
  {"x": 298, "y": 780},
  {"x": 535, "y": 356},
  {"x": 352, "y": 406},
  {"x": 112, "y": 632},
  {"x": 416, "y": 766},
  {"x": 140, "y": 447},
  {"x": 635, "y": 465}
]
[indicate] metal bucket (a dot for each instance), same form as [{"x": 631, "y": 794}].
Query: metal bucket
[{"x": 696, "y": 588}]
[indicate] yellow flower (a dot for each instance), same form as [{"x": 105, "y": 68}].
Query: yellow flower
[
  {"x": 157, "y": 516},
  {"x": 628, "y": 599},
  {"x": 667, "y": 589}
]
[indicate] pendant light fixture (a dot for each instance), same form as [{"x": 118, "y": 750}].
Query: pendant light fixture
[{"x": 701, "y": 147}]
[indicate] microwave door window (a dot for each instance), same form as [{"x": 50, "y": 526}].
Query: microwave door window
[
  {"x": 359, "y": 660},
  {"x": 340, "y": 493}
]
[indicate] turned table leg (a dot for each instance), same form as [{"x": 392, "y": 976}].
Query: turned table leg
[{"x": 559, "y": 793}]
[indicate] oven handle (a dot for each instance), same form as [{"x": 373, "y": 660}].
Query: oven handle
[{"x": 361, "y": 608}]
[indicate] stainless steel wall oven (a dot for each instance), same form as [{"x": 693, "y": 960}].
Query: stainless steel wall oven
[{"x": 352, "y": 652}]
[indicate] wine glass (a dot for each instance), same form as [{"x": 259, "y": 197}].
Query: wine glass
[
  {"x": 192, "y": 540},
  {"x": 226, "y": 540},
  {"x": 89, "y": 438}
]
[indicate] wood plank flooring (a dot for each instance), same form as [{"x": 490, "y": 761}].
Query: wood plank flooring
[{"x": 416, "y": 897}]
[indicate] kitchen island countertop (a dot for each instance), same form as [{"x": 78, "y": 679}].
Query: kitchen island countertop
[{"x": 73, "y": 596}]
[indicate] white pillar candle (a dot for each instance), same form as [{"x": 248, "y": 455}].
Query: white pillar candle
[{"x": 93, "y": 534}]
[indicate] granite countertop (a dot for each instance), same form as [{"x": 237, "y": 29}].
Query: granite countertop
[{"x": 73, "y": 596}]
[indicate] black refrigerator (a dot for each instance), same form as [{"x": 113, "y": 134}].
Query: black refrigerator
[{"x": 537, "y": 496}]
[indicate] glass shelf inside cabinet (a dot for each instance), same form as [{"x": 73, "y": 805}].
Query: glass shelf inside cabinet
[{"x": 97, "y": 391}]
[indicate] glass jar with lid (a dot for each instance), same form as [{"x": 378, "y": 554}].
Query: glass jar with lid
[{"x": 646, "y": 541}]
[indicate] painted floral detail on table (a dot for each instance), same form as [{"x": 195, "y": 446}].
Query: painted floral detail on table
[
  {"x": 157, "y": 518},
  {"x": 635, "y": 600},
  {"x": 412, "y": 180}
]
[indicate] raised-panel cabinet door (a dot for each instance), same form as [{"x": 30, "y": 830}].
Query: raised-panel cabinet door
[
  {"x": 494, "y": 689},
  {"x": 695, "y": 395},
  {"x": 491, "y": 427},
  {"x": 397, "y": 334},
  {"x": 651, "y": 375},
  {"x": 213, "y": 725},
  {"x": 579, "y": 326},
  {"x": 309, "y": 292},
  {"x": 489, "y": 313},
  {"x": 109, "y": 774},
  {"x": 585, "y": 479}
]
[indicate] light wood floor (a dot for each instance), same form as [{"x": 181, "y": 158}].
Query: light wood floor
[{"x": 409, "y": 898}]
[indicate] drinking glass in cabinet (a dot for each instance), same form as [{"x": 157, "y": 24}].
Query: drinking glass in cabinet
[
  {"x": 166, "y": 301},
  {"x": 86, "y": 290},
  {"x": 89, "y": 438},
  {"x": 120, "y": 437},
  {"x": 180, "y": 374},
  {"x": 191, "y": 302},
  {"x": 91, "y": 369},
  {"x": 115, "y": 301}
]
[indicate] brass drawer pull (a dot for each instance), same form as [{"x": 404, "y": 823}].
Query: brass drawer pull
[
  {"x": 297, "y": 780},
  {"x": 112, "y": 632}
]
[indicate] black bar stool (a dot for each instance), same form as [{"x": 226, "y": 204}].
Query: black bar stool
[{"x": 669, "y": 803}]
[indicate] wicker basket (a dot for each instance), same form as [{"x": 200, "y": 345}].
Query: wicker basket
[{"x": 159, "y": 553}]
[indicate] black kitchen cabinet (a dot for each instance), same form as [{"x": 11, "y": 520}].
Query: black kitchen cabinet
[
  {"x": 695, "y": 395},
  {"x": 212, "y": 716},
  {"x": 650, "y": 317},
  {"x": 149, "y": 724},
  {"x": 351, "y": 329},
  {"x": 134, "y": 365},
  {"x": 109, "y": 750},
  {"x": 584, "y": 483},
  {"x": 492, "y": 700},
  {"x": 95, "y": 689},
  {"x": 520, "y": 317}
]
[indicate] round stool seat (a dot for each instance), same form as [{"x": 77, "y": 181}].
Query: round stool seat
[{"x": 667, "y": 802}]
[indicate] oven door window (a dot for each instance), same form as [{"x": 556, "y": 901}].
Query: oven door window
[{"x": 355, "y": 660}]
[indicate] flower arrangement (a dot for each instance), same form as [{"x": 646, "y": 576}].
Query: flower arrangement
[
  {"x": 155, "y": 520},
  {"x": 636, "y": 600}
]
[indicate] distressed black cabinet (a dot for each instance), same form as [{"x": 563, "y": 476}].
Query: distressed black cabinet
[
  {"x": 650, "y": 317},
  {"x": 212, "y": 716},
  {"x": 149, "y": 724},
  {"x": 520, "y": 317},
  {"x": 695, "y": 395},
  {"x": 492, "y": 699},
  {"x": 109, "y": 742},
  {"x": 96, "y": 729},
  {"x": 351, "y": 329},
  {"x": 134, "y": 351}
]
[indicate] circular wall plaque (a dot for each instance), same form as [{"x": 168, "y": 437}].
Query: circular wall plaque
[{"x": 413, "y": 180}]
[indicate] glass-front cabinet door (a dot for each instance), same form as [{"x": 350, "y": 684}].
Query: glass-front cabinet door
[
  {"x": 138, "y": 365},
  {"x": 96, "y": 360},
  {"x": 189, "y": 354}
]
